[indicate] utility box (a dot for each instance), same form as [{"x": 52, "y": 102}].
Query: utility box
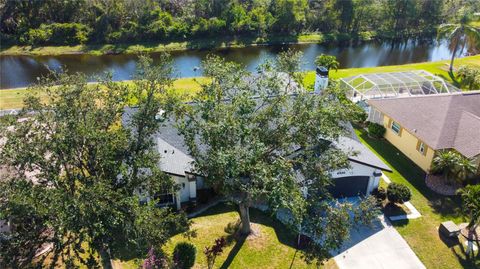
[
  {"x": 321, "y": 79},
  {"x": 449, "y": 229}
]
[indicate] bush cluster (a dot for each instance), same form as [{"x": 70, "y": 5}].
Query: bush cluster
[
  {"x": 398, "y": 193},
  {"x": 380, "y": 193},
  {"x": 57, "y": 33},
  {"x": 184, "y": 255},
  {"x": 376, "y": 130}
]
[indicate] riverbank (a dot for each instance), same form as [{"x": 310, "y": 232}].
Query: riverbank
[
  {"x": 13, "y": 98},
  {"x": 149, "y": 47}
]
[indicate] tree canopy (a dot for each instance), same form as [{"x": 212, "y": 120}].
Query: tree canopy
[
  {"x": 111, "y": 21},
  {"x": 259, "y": 139},
  {"x": 327, "y": 61},
  {"x": 76, "y": 172},
  {"x": 460, "y": 34}
]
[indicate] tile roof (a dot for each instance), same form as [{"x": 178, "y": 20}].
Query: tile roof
[{"x": 441, "y": 121}]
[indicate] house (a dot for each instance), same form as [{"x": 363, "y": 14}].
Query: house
[
  {"x": 361, "y": 178},
  {"x": 420, "y": 126},
  {"x": 364, "y": 172}
]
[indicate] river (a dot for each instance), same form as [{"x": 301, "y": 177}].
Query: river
[{"x": 20, "y": 71}]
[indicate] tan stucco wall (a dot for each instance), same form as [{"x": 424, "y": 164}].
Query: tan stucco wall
[{"x": 407, "y": 144}]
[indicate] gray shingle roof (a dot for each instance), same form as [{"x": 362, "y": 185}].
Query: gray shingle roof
[
  {"x": 177, "y": 160},
  {"x": 441, "y": 121},
  {"x": 359, "y": 153}
]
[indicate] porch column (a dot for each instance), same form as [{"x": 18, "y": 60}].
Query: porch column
[{"x": 192, "y": 182}]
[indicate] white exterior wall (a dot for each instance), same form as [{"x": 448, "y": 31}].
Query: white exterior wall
[
  {"x": 357, "y": 169},
  {"x": 4, "y": 226},
  {"x": 375, "y": 116},
  {"x": 184, "y": 188},
  {"x": 320, "y": 84}
]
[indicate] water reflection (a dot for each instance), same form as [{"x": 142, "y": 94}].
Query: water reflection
[{"x": 20, "y": 71}]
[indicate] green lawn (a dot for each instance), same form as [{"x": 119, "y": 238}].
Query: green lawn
[
  {"x": 13, "y": 98},
  {"x": 439, "y": 68},
  {"x": 422, "y": 234},
  {"x": 272, "y": 247}
]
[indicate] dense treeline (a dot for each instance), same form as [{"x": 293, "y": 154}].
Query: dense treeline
[{"x": 109, "y": 21}]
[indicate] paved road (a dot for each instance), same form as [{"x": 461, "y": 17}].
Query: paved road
[{"x": 381, "y": 247}]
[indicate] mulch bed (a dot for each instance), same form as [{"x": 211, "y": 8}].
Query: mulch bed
[{"x": 437, "y": 184}]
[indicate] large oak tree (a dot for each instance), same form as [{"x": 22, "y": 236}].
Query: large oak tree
[
  {"x": 258, "y": 138},
  {"x": 75, "y": 171}
]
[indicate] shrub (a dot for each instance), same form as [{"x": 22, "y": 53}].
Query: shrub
[
  {"x": 470, "y": 77},
  {"x": 212, "y": 252},
  {"x": 376, "y": 130},
  {"x": 398, "y": 193},
  {"x": 36, "y": 36},
  {"x": 366, "y": 35},
  {"x": 380, "y": 193},
  {"x": 57, "y": 33},
  {"x": 184, "y": 255},
  {"x": 359, "y": 116}
]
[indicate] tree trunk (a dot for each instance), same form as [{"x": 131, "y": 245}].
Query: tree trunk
[
  {"x": 453, "y": 56},
  {"x": 105, "y": 258},
  {"x": 245, "y": 228}
]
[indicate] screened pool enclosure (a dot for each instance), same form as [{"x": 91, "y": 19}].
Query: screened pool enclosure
[{"x": 396, "y": 84}]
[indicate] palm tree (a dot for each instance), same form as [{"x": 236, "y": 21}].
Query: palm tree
[
  {"x": 459, "y": 33},
  {"x": 445, "y": 162},
  {"x": 464, "y": 168},
  {"x": 471, "y": 206},
  {"x": 328, "y": 61}
]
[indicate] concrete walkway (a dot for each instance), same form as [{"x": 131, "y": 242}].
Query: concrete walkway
[{"x": 378, "y": 247}]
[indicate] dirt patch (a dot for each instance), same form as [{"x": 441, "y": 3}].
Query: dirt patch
[{"x": 256, "y": 239}]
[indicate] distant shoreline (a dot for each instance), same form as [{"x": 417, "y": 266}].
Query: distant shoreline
[{"x": 150, "y": 47}]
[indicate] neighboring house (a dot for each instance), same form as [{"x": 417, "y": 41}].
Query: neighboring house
[
  {"x": 419, "y": 126},
  {"x": 361, "y": 178}
]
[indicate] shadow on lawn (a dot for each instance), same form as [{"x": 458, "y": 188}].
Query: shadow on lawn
[
  {"x": 233, "y": 253},
  {"x": 256, "y": 216},
  {"x": 447, "y": 207},
  {"x": 467, "y": 261}
]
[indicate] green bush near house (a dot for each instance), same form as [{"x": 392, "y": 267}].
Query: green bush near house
[
  {"x": 398, "y": 193},
  {"x": 380, "y": 194},
  {"x": 184, "y": 255},
  {"x": 376, "y": 130}
]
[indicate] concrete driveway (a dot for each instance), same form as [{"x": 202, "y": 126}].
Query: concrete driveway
[{"x": 378, "y": 247}]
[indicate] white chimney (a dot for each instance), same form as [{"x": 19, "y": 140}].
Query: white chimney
[{"x": 321, "y": 79}]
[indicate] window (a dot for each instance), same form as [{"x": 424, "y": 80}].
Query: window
[
  {"x": 396, "y": 128},
  {"x": 165, "y": 198},
  {"x": 421, "y": 147}
]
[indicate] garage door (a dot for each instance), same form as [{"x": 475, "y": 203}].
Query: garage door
[{"x": 349, "y": 186}]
